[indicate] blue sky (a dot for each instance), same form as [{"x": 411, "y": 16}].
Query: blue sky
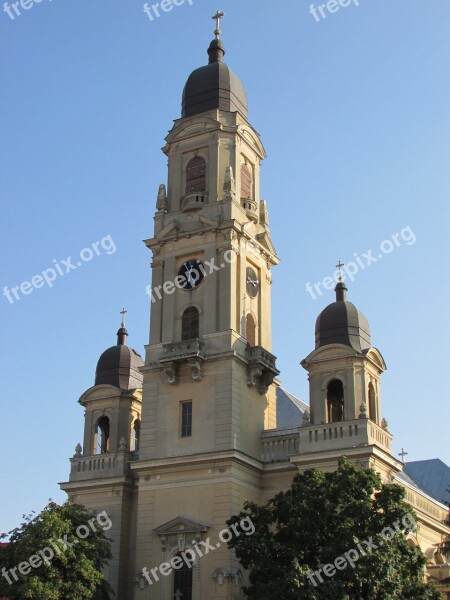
[{"x": 354, "y": 113}]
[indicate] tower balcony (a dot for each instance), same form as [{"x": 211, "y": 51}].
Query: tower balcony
[
  {"x": 194, "y": 201},
  {"x": 278, "y": 445},
  {"x": 250, "y": 207},
  {"x": 344, "y": 434},
  {"x": 83, "y": 468},
  {"x": 261, "y": 369},
  {"x": 189, "y": 352}
]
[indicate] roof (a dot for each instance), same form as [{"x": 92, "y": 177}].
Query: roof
[
  {"x": 432, "y": 476},
  {"x": 119, "y": 366},
  {"x": 404, "y": 477},
  {"x": 214, "y": 86},
  {"x": 290, "y": 409},
  {"x": 342, "y": 323}
]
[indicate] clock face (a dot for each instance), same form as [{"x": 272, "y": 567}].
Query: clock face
[
  {"x": 193, "y": 273},
  {"x": 252, "y": 282}
]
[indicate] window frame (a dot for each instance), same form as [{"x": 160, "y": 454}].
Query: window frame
[
  {"x": 193, "y": 325},
  {"x": 186, "y": 419}
]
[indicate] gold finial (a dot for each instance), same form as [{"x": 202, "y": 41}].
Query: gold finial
[
  {"x": 219, "y": 14},
  {"x": 339, "y": 266},
  {"x": 123, "y": 312}
]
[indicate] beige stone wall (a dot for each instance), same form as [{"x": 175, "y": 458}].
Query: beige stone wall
[{"x": 209, "y": 491}]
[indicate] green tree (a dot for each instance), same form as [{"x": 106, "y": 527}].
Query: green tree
[
  {"x": 58, "y": 554},
  {"x": 347, "y": 514}
]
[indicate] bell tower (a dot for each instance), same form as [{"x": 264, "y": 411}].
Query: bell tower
[
  {"x": 208, "y": 373},
  {"x": 344, "y": 381},
  {"x": 100, "y": 475}
]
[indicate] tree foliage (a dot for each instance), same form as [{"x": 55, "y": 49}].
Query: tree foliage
[
  {"x": 320, "y": 518},
  {"x": 73, "y": 573}
]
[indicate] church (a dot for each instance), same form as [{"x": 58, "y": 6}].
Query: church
[{"x": 176, "y": 442}]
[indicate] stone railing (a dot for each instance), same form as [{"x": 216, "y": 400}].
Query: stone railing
[
  {"x": 250, "y": 207},
  {"x": 194, "y": 201},
  {"x": 379, "y": 436},
  {"x": 183, "y": 350},
  {"x": 257, "y": 354},
  {"x": 261, "y": 369},
  {"x": 101, "y": 465},
  {"x": 279, "y": 444},
  {"x": 330, "y": 436}
]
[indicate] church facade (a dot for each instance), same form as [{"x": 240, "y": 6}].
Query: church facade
[{"x": 175, "y": 443}]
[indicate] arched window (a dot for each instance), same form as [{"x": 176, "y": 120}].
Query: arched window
[
  {"x": 190, "y": 323},
  {"x": 372, "y": 404},
  {"x": 101, "y": 442},
  {"x": 246, "y": 183},
  {"x": 182, "y": 582},
  {"x": 196, "y": 175},
  {"x": 335, "y": 401},
  {"x": 250, "y": 330},
  {"x": 135, "y": 435}
]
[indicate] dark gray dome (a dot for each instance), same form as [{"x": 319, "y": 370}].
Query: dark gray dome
[
  {"x": 342, "y": 323},
  {"x": 119, "y": 365},
  {"x": 214, "y": 86}
]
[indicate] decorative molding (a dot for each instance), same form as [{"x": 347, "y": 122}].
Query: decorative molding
[
  {"x": 253, "y": 375},
  {"x": 261, "y": 369},
  {"x": 178, "y": 353},
  {"x": 78, "y": 451},
  {"x": 196, "y": 368},
  {"x": 229, "y": 184},
  {"x": 171, "y": 370},
  {"x": 161, "y": 202},
  {"x": 363, "y": 410}
]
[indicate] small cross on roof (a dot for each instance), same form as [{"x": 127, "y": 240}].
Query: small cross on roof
[{"x": 403, "y": 453}]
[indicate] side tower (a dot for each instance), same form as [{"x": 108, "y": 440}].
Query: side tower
[
  {"x": 344, "y": 382},
  {"x": 207, "y": 392},
  {"x": 100, "y": 476}
]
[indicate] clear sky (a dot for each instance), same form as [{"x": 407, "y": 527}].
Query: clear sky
[{"x": 353, "y": 110}]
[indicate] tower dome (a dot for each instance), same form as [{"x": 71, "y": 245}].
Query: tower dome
[
  {"x": 214, "y": 86},
  {"x": 119, "y": 365},
  {"x": 342, "y": 323}
]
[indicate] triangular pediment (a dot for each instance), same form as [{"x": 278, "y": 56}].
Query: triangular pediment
[
  {"x": 209, "y": 222},
  {"x": 266, "y": 242},
  {"x": 171, "y": 227},
  {"x": 181, "y": 525}
]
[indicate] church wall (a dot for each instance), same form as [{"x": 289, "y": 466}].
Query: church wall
[{"x": 208, "y": 492}]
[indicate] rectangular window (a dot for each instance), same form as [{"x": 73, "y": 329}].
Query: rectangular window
[{"x": 186, "y": 419}]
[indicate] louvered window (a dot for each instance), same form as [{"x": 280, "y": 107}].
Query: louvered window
[{"x": 196, "y": 175}]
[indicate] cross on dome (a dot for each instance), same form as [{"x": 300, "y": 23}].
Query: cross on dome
[
  {"x": 339, "y": 266},
  {"x": 219, "y": 14}
]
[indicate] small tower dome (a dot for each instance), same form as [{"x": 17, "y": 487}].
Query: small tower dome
[
  {"x": 119, "y": 365},
  {"x": 342, "y": 323}
]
